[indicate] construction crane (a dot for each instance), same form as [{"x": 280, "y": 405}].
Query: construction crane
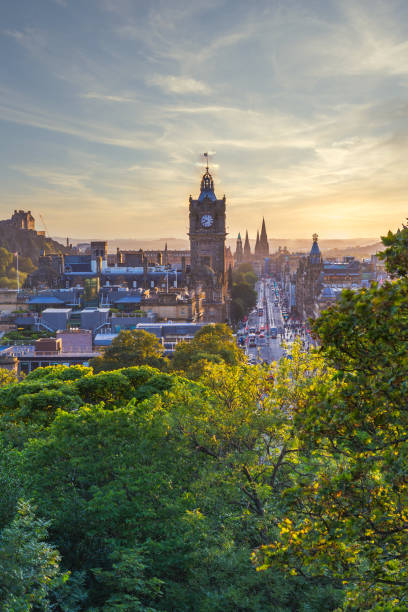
[{"x": 44, "y": 225}]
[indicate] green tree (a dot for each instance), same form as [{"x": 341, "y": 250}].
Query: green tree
[
  {"x": 107, "y": 478},
  {"x": 242, "y": 290},
  {"x": 7, "y": 377},
  {"x": 242, "y": 425},
  {"x": 350, "y": 520},
  {"x": 127, "y": 582},
  {"x": 131, "y": 348},
  {"x": 396, "y": 253},
  {"x": 6, "y": 260},
  {"x": 212, "y": 343},
  {"x": 29, "y": 566}
]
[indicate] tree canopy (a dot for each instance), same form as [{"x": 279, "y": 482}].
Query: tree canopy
[
  {"x": 348, "y": 518},
  {"x": 232, "y": 488},
  {"x": 131, "y": 348},
  {"x": 243, "y": 293},
  {"x": 212, "y": 344}
]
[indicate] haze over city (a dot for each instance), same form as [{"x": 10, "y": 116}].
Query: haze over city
[{"x": 107, "y": 106}]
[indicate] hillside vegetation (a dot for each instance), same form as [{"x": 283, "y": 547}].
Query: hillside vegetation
[
  {"x": 29, "y": 246},
  {"x": 219, "y": 487}
]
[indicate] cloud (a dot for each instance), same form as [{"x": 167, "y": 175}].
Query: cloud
[
  {"x": 32, "y": 39},
  {"x": 105, "y": 98},
  {"x": 16, "y": 34},
  {"x": 304, "y": 103},
  {"x": 179, "y": 85},
  {"x": 57, "y": 178}
]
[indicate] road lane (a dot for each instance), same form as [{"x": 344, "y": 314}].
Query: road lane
[{"x": 265, "y": 317}]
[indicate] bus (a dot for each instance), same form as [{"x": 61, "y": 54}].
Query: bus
[
  {"x": 252, "y": 340},
  {"x": 273, "y": 332}
]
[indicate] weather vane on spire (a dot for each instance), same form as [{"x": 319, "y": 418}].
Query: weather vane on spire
[{"x": 206, "y": 157}]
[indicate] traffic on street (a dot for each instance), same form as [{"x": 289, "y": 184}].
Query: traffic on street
[{"x": 267, "y": 335}]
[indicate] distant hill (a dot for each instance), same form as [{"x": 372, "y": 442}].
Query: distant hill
[
  {"x": 359, "y": 252},
  {"x": 338, "y": 247},
  {"x": 28, "y": 243}
]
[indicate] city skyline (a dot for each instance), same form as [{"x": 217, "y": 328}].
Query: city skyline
[{"x": 107, "y": 108}]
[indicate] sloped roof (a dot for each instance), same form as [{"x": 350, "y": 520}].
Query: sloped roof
[{"x": 46, "y": 299}]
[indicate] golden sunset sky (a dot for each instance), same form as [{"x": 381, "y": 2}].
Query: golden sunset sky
[{"x": 107, "y": 105}]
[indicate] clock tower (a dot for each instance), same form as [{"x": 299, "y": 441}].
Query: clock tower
[{"x": 207, "y": 247}]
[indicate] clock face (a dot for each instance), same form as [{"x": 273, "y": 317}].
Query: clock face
[{"x": 206, "y": 220}]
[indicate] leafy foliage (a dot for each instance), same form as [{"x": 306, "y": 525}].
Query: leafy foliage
[
  {"x": 29, "y": 567},
  {"x": 245, "y": 489},
  {"x": 347, "y": 514},
  {"x": 242, "y": 289},
  {"x": 396, "y": 253},
  {"x": 131, "y": 348},
  {"x": 7, "y": 377},
  {"x": 212, "y": 343},
  {"x": 24, "y": 335},
  {"x": 156, "y": 501}
]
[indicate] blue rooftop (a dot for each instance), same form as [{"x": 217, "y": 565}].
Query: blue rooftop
[
  {"x": 207, "y": 188},
  {"x": 46, "y": 299},
  {"x": 129, "y": 299},
  {"x": 315, "y": 255}
]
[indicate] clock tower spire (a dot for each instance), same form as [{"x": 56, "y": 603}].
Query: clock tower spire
[{"x": 207, "y": 247}]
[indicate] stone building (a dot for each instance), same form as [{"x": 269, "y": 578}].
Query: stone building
[
  {"x": 207, "y": 215},
  {"x": 247, "y": 249},
  {"x": 229, "y": 258},
  {"x": 261, "y": 250},
  {"x": 309, "y": 282},
  {"x": 22, "y": 219},
  {"x": 239, "y": 253}
]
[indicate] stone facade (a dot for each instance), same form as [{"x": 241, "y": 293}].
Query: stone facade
[
  {"x": 23, "y": 220},
  {"x": 244, "y": 255},
  {"x": 207, "y": 249},
  {"x": 309, "y": 282},
  {"x": 239, "y": 252}
]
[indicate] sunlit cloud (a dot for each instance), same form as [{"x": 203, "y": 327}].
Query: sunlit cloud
[
  {"x": 305, "y": 104},
  {"x": 179, "y": 85},
  {"x": 105, "y": 98}
]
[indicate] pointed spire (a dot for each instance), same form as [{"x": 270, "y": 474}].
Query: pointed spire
[
  {"x": 238, "y": 251},
  {"x": 166, "y": 255},
  {"x": 263, "y": 241},
  {"x": 315, "y": 256},
  {"x": 247, "y": 247},
  {"x": 264, "y": 237},
  {"x": 257, "y": 243}
]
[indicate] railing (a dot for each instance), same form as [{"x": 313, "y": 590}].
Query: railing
[{"x": 54, "y": 354}]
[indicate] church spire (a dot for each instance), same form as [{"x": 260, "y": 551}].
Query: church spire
[
  {"x": 257, "y": 243},
  {"x": 247, "y": 247},
  {"x": 238, "y": 251},
  {"x": 263, "y": 241}
]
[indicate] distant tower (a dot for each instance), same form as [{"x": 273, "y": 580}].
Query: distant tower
[
  {"x": 239, "y": 253},
  {"x": 315, "y": 256},
  {"x": 207, "y": 247},
  {"x": 263, "y": 241},
  {"x": 247, "y": 248},
  {"x": 257, "y": 244},
  {"x": 166, "y": 255}
]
